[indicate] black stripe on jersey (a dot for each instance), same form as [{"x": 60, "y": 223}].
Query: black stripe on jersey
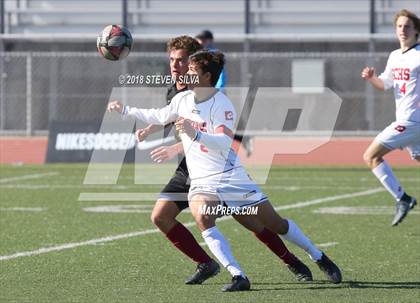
[
  {"x": 265, "y": 198},
  {"x": 414, "y": 46}
]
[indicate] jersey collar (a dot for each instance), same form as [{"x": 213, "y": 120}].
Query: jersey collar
[{"x": 414, "y": 46}]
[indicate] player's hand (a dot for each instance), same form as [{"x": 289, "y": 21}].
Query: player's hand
[
  {"x": 164, "y": 153},
  {"x": 183, "y": 125},
  {"x": 141, "y": 134},
  {"x": 115, "y": 105},
  {"x": 368, "y": 73}
]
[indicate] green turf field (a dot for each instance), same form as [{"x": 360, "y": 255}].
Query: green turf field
[{"x": 53, "y": 250}]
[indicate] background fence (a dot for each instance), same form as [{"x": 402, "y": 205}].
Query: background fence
[
  {"x": 37, "y": 87},
  {"x": 49, "y": 69}
]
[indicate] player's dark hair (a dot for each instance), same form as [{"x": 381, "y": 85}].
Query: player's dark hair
[
  {"x": 188, "y": 43},
  {"x": 209, "y": 61},
  {"x": 411, "y": 16}
]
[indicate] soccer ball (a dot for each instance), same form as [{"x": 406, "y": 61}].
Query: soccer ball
[{"x": 114, "y": 42}]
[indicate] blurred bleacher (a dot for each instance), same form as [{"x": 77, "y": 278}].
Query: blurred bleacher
[{"x": 185, "y": 16}]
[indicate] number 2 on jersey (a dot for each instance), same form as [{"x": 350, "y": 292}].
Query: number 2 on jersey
[{"x": 203, "y": 148}]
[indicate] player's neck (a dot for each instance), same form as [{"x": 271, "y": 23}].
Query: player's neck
[
  {"x": 405, "y": 45},
  {"x": 204, "y": 93},
  {"x": 180, "y": 86}
]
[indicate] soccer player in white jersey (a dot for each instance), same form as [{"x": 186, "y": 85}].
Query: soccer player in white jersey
[
  {"x": 402, "y": 73},
  {"x": 173, "y": 198},
  {"x": 205, "y": 118}
]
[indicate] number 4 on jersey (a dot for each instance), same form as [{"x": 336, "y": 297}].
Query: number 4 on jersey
[{"x": 403, "y": 88}]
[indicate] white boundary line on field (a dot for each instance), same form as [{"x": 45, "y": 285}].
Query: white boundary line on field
[
  {"x": 26, "y": 177},
  {"x": 31, "y": 209},
  {"x": 327, "y": 244},
  {"x": 44, "y": 250},
  {"x": 360, "y": 210},
  {"x": 143, "y": 196}
]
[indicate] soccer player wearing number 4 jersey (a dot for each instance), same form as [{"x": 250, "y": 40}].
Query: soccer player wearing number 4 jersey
[{"x": 402, "y": 73}]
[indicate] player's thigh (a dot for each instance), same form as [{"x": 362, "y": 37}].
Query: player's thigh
[
  {"x": 199, "y": 203},
  {"x": 268, "y": 216},
  {"x": 375, "y": 150},
  {"x": 250, "y": 222},
  {"x": 172, "y": 199},
  {"x": 397, "y": 135},
  {"x": 165, "y": 209}
]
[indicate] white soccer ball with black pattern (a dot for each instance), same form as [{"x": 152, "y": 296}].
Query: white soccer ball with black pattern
[{"x": 114, "y": 42}]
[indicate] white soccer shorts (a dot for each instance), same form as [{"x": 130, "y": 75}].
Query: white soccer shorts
[
  {"x": 239, "y": 191},
  {"x": 401, "y": 135}
]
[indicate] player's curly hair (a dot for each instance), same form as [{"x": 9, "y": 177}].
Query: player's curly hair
[
  {"x": 411, "y": 16},
  {"x": 209, "y": 61},
  {"x": 188, "y": 43}
]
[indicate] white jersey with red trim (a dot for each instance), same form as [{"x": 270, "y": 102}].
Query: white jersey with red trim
[
  {"x": 205, "y": 165},
  {"x": 402, "y": 72},
  {"x": 202, "y": 162}
]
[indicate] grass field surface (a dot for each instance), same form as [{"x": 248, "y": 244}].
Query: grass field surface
[{"x": 56, "y": 247}]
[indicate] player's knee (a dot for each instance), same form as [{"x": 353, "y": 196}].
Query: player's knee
[
  {"x": 371, "y": 160},
  {"x": 283, "y": 226},
  {"x": 158, "y": 218},
  {"x": 279, "y": 226},
  {"x": 204, "y": 221},
  {"x": 164, "y": 214},
  {"x": 367, "y": 157},
  {"x": 155, "y": 218}
]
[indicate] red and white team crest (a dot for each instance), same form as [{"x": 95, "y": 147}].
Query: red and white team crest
[
  {"x": 400, "y": 128},
  {"x": 228, "y": 115}
]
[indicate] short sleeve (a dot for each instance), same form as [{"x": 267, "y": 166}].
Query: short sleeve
[
  {"x": 386, "y": 76},
  {"x": 224, "y": 114}
]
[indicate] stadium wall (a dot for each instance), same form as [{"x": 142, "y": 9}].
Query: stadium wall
[
  {"x": 23, "y": 150},
  {"x": 337, "y": 152}
]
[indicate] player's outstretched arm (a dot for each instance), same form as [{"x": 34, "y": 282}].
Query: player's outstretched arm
[
  {"x": 143, "y": 133},
  {"x": 369, "y": 74},
  {"x": 161, "y": 116}
]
